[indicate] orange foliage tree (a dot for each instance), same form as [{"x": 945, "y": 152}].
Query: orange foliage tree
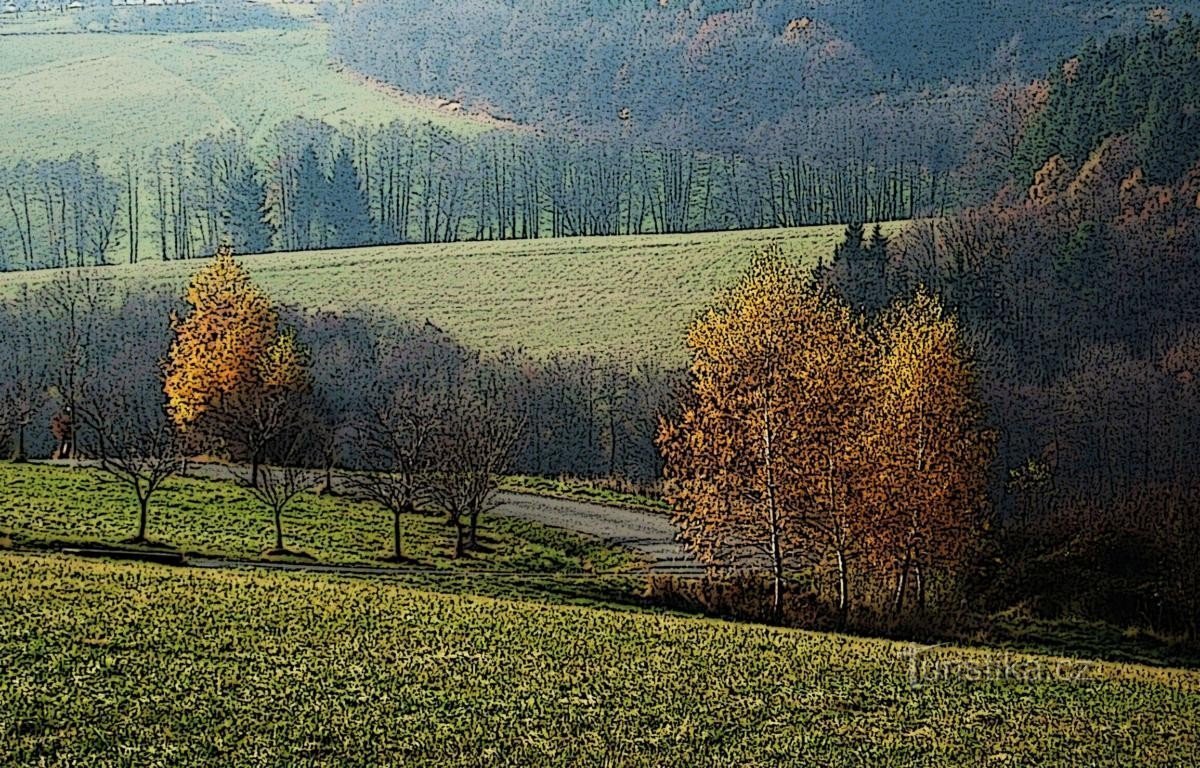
[
  {"x": 232, "y": 376},
  {"x": 810, "y": 443},
  {"x": 927, "y": 450},
  {"x": 755, "y": 465}
]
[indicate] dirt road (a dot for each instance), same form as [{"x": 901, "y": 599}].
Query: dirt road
[{"x": 650, "y": 534}]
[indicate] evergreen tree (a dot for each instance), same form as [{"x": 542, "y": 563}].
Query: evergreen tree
[
  {"x": 246, "y": 231},
  {"x": 347, "y": 209},
  {"x": 308, "y": 198},
  {"x": 851, "y": 248}
]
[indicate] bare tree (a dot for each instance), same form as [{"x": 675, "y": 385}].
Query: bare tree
[
  {"x": 279, "y": 485},
  {"x": 23, "y": 370},
  {"x": 134, "y": 442},
  {"x": 396, "y": 439},
  {"x": 474, "y": 446}
]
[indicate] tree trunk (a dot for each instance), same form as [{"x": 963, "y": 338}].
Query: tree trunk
[
  {"x": 458, "y": 538},
  {"x": 254, "y": 461},
  {"x": 396, "y": 534},
  {"x": 20, "y": 455},
  {"x": 473, "y": 540},
  {"x": 843, "y": 585},
  {"x": 901, "y": 587},
  {"x": 278, "y": 529},
  {"x": 920, "y": 577},
  {"x": 773, "y": 516},
  {"x": 776, "y": 579},
  {"x": 143, "y": 510}
]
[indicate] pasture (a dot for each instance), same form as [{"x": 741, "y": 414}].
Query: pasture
[
  {"x": 630, "y": 296},
  {"x": 134, "y": 664},
  {"x": 119, "y": 94}
]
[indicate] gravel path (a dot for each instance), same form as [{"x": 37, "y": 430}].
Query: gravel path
[{"x": 650, "y": 534}]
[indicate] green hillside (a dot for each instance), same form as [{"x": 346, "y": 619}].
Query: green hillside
[
  {"x": 111, "y": 664},
  {"x": 113, "y": 93},
  {"x": 622, "y": 295}
]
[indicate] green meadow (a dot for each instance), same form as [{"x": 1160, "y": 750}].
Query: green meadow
[
  {"x": 132, "y": 664},
  {"x": 632, "y": 296},
  {"x": 48, "y": 507},
  {"x": 119, "y": 94}
]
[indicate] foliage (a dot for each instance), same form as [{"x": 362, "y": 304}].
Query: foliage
[
  {"x": 808, "y": 445},
  {"x": 233, "y": 376},
  {"x": 1143, "y": 85},
  {"x": 223, "y": 345}
]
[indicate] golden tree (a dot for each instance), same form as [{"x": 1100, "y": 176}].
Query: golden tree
[
  {"x": 231, "y": 374},
  {"x": 757, "y": 465},
  {"x": 929, "y": 450}
]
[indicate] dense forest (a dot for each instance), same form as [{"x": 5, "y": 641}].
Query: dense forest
[
  {"x": 717, "y": 75},
  {"x": 1077, "y": 288}
]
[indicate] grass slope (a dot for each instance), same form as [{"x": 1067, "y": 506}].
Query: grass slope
[
  {"x": 123, "y": 664},
  {"x": 116, "y": 93},
  {"x": 46, "y": 506},
  {"x": 632, "y": 295}
]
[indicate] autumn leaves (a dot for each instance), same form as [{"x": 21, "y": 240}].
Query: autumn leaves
[
  {"x": 823, "y": 449},
  {"x": 233, "y": 375}
]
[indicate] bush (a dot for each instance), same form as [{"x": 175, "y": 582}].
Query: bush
[{"x": 745, "y": 596}]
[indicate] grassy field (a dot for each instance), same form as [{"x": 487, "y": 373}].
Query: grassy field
[
  {"x": 632, "y": 296},
  {"x": 115, "y": 93},
  {"x": 47, "y": 507},
  {"x": 133, "y": 664}
]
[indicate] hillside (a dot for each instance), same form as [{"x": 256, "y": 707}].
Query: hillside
[
  {"x": 202, "y": 668},
  {"x": 116, "y": 93},
  {"x": 621, "y": 295}
]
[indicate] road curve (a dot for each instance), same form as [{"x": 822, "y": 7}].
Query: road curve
[{"x": 650, "y": 534}]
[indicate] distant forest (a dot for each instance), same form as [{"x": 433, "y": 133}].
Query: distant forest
[{"x": 315, "y": 187}]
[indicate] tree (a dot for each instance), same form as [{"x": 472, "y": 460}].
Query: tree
[
  {"x": 245, "y": 226},
  {"x": 930, "y": 449},
  {"x": 135, "y": 443},
  {"x": 24, "y": 370},
  {"x": 733, "y": 469},
  {"x": 473, "y": 448},
  {"x": 276, "y": 487},
  {"x": 232, "y": 375},
  {"x": 346, "y": 208},
  {"x": 396, "y": 438},
  {"x": 72, "y": 302}
]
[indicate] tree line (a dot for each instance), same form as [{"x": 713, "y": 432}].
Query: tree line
[
  {"x": 312, "y": 186},
  {"x": 395, "y": 412}
]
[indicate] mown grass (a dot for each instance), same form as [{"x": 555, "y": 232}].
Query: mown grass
[
  {"x": 631, "y": 296},
  {"x": 50, "y": 507},
  {"x": 133, "y": 664}
]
